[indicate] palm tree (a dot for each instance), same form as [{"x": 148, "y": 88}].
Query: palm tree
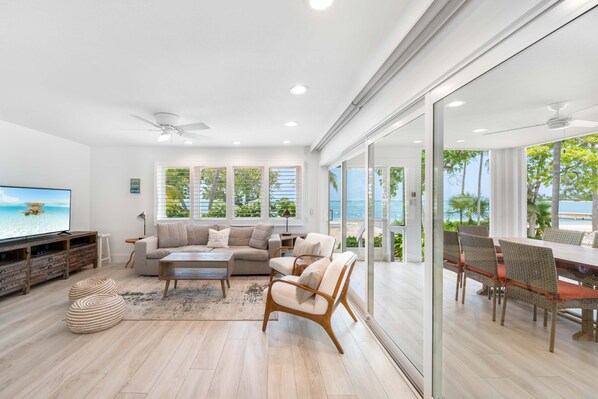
[{"x": 332, "y": 180}]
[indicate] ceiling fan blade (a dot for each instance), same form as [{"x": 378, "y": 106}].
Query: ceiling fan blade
[
  {"x": 194, "y": 126},
  {"x": 154, "y": 124},
  {"x": 583, "y": 123},
  {"x": 142, "y": 130},
  {"x": 512, "y": 130},
  {"x": 195, "y": 136},
  {"x": 585, "y": 111}
]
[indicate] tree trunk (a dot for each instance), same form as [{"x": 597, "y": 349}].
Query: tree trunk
[
  {"x": 213, "y": 188},
  {"x": 531, "y": 229},
  {"x": 463, "y": 177},
  {"x": 556, "y": 185},
  {"x": 479, "y": 210}
]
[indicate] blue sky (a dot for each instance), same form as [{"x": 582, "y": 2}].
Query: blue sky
[{"x": 12, "y": 196}]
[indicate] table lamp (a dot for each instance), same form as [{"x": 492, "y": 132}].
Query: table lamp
[
  {"x": 287, "y": 215},
  {"x": 141, "y": 217}
]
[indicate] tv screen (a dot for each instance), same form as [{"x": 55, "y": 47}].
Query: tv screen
[{"x": 28, "y": 211}]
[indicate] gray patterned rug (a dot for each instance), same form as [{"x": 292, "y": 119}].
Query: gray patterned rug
[{"x": 195, "y": 299}]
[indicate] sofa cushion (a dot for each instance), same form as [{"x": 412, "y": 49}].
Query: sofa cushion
[
  {"x": 238, "y": 235},
  {"x": 172, "y": 235},
  {"x": 218, "y": 238},
  {"x": 162, "y": 252},
  {"x": 260, "y": 236},
  {"x": 198, "y": 235},
  {"x": 245, "y": 253}
]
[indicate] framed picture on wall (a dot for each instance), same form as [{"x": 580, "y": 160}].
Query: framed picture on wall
[{"x": 135, "y": 186}]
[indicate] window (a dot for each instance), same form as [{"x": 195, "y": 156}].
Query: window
[
  {"x": 248, "y": 192},
  {"x": 226, "y": 192},
  {"x": 173, "y": 188},
  {"x": 212, "y": 192},
  {"x": 284, "y": 191},
  {"x": 397, "y": 196}
]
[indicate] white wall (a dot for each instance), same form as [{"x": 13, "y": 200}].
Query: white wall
[
  {"x": 114, "y": 209},
  {"x": 473, "y": 27},
  {"x": 35, "y": 159}
]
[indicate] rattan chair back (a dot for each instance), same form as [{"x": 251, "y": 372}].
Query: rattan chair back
[
  {"x": 530, "y": 266},
  {"x": 451, "y": 248},
  {"x": 480, "y": 253},
  {"x": 474, "y": 230},
  {"x": 595, "y": 242},
  {"x": 571, "y": 237}
]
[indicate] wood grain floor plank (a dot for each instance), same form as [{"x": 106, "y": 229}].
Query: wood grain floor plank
[
  {"x": 196, "y": 385},
  {"x": 281, "y": 376}
]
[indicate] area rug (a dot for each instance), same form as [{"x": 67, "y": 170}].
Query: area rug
[{"x": 194, "y": 299}]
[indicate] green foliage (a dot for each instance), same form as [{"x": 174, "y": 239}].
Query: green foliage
[
  {"x": 212, "y": 189},
  {"x": 249, "y": 210},
  {"x": 579, "y": 167},
  {"x": 332, "y": 180},
  {"x": 467, "y": 205},
  {"x": 541, "y": 215},
  {"x": 278, "y": 207},
  {"x": 177, "y": 192},
  {"x": 217, "y": 210},
  {"x": 248, "y": 184},
  {"x": 455, "y": 165}
]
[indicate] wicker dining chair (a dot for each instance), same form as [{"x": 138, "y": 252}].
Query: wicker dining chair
[
  {"x": 481, "y": 231},
  {"x": 571, "y": 237},
  {"x": 480, "y": 264},
  {"x": 451, "y": 257},
  {"x": 531, "y": 277}
]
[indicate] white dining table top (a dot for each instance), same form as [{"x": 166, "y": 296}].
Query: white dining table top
[{"x": 584, "y": 256}]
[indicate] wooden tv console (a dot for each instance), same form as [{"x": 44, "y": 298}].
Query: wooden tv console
[{"x": 31, "y": 261}]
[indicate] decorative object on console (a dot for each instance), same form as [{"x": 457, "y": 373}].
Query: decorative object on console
[
  {"x": 141, "y": 217},
  {"x": 286, "y": 215}
]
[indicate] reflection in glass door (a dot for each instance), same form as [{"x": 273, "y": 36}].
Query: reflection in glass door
[{"x": 355, "y": 236}]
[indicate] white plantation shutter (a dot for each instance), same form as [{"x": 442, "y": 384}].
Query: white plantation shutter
[
  {"x": 173, "y": 192},
  {"x": 205, "y": 189},
  {"x": 285, "y": 189}
]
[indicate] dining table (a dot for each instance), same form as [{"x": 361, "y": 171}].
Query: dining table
[{"x": 576, "y": 258}]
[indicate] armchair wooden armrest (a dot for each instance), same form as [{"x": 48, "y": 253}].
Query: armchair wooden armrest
[
  {"x": 305, "y": 287},
  {"x": 280, "y": 249},
  {"x": 296, "y": 266}
]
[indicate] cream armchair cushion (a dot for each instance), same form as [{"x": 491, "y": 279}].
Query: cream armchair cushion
[{"x": 284, "y": 265}]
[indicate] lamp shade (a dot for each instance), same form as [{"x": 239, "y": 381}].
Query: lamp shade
[
  {"x": 286, "y": 214},
  {"x": 141, "y": 216}
]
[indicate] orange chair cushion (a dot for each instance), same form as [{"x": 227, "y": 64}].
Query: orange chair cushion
[
  {"x": 500, "y": 271},
  {"x": 569, "y": 291}
]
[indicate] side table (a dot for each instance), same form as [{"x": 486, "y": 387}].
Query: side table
[{"x": 131, "y": 258}]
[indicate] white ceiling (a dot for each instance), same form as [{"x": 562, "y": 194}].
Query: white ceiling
[
  {"x": 561, "y": 67},
  {"x": 77, "y": 69}
]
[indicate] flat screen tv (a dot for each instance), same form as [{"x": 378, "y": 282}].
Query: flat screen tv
[{"x": 29, "y": 211}]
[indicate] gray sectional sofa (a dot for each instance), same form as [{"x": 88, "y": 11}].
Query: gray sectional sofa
[{"x": 180, "y": 237}]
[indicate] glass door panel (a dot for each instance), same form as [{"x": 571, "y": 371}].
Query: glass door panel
[
  {"x": 335, "y": 181},
  {"x": 356, "y": 212},
  {"x": 398, "y": 271}
]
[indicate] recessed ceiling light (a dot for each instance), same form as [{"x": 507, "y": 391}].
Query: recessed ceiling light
[
  {"x": 479, "y": 130},
  {"x": 188, "y": 142},
  {"x": 291, "y": 124},
  {"x": 236, "y": 142},
  {"x": 457, "y": 103},
  {"x": 320, "y": 4},
  {"x": 286, "y": 142},
  {"x": 461, "y": 141},
  {"x": 418, "y": 141},
  {"x": 298, "y": 90}
]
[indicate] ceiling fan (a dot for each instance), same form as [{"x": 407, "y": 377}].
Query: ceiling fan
[
  {"x": 559, "y": 121},
  {"x": 167, "y": 124}
]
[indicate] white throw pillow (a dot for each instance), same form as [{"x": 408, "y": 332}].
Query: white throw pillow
[
  {"x": 311, "y": 277},
  {"x": 218, "y": 238}
]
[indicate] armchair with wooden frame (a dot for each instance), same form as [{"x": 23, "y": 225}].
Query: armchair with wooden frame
[
  {"x": 281, "y": 296},
  {"x": 290, "y": 265}
]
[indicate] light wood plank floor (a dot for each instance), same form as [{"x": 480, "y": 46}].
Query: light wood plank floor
[
  {"x": 482, "y": 359},
  {"x": 40, "y": 358}
]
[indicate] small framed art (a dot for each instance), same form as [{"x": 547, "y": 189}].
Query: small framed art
[{"x": 135, "y": 186}]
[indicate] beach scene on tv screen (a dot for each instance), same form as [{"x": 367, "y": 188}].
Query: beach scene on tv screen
[{"x": 30, "y": 211}]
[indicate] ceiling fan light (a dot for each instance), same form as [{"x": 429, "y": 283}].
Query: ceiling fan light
[{"x": 164, "y": 137}]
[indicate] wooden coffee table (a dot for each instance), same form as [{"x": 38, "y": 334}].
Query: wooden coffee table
[{"x": 197, "y": 266}]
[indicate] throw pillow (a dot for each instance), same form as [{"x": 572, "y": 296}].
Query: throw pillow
[
  {"x": 172, "y": 235},
  {"x": 311, "y": 277},
  {"x": 218, "y": 239},
  {"x": 304, "y": 247},
  {"x": 260, "y": 236}
]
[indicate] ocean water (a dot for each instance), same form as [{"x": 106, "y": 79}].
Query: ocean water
[
  {"x": 14, "y": 223},
  {"x": 356, "y": 209}
]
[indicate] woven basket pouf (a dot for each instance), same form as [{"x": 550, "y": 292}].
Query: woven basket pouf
[
  {"x": 94, "y": 285},
  {"x": 95, "y": 312}
]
